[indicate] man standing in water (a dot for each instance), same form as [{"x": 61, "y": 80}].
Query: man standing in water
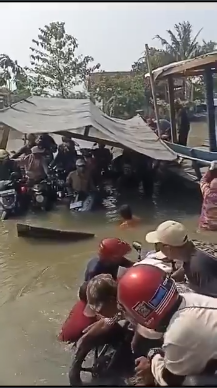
[{"x": 183, "y": 123}]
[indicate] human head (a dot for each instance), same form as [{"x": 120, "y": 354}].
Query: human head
[
  {"x": 4, "y": 155},
  {"x": 80, "y": 165},
  {"x": 152, "y": 124},
  {"x": 82, "y": 292},
  {"x": 147, "y": 295},
  {"x": 125, "y": 212},
  {"x": 31, "y": 138},
  {"x": 101, "y": 145},
  {"x": 102, "y": 295},
  {"x": 172, "y": 240},
  {"x": 37, "y": 151},
  {"x": 67, "y": 140},
  {"x": 112, "y": 250}
]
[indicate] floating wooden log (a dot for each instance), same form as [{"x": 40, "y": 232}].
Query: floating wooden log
[{"x": 24, "y": 230}]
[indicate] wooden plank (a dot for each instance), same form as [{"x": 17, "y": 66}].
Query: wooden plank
[{"x": 24, "y": 230}]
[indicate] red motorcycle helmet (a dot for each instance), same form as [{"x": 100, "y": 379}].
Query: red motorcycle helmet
[
  {"x": 147, "y": 294},
  {"x": 112, "y": 249}
]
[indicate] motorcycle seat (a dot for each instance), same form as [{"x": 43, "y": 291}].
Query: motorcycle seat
[
  {"x": 4, "y": 185},
  {"x": 200, "y": 381}
]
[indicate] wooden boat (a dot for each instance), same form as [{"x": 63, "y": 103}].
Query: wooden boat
[
  {"x": 201, "y": 156},
  {"x": 24, "y": 230}
]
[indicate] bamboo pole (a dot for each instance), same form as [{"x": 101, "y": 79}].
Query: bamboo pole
[
  {"x": 5, "y": 135},
  {"x": 152, "y": 88}
]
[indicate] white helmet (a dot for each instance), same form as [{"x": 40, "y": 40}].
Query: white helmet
[{"x": 4, "y": 154}]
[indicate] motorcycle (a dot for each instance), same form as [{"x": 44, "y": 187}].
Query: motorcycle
[
  {"x": 58, "y": 178},
  {"x": 42, "y": 195},
  {"x": 82, "y": 203},
  {"x": 13, "y": 196},
  {"x": 109, "y": 365},
  {"x": 113, "y": 359}
]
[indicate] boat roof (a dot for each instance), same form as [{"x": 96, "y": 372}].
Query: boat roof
[
  {"x": 85, "y": 121},
  {"x": 189, "y": 67}
]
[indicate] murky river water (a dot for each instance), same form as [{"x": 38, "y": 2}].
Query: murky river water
[{"x": 39, "y": 281}]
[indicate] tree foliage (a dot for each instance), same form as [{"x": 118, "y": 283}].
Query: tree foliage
[
  {"x": 55, "y": 66},
  {"x": 12, "y": 75},
  {"x": 182, "y": 44},
  {"x": 120, "y": 95},
  {"x": 157, "y": 57}
]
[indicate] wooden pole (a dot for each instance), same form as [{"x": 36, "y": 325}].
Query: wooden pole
[
  {"x": 172, "y": 109},
  {"x": 152, "y": 88},
  {"x": 210, "y": 109}
]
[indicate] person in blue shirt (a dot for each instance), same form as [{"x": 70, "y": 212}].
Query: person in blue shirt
[{"x": 110, "y": 257}]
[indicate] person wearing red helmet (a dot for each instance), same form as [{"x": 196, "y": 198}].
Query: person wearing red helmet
[
  {"x": 188, "y": 322},
  {"x": 110, "y": 256},
  {"x": 146, "y": 295}
]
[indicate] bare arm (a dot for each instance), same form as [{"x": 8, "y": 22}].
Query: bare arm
[
  {"x": 204, "y": 185},
  {"x": 179, "y": 275}
]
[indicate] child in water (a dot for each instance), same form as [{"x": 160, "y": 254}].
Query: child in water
[{"x": 128, "y": 219}]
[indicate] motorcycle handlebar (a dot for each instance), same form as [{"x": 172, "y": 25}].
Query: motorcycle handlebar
[{"x": 137, "y": 246}]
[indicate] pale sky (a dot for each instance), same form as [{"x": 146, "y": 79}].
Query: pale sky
[{"x": 113, "y": 33}]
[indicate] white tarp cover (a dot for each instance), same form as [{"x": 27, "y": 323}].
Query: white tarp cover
[{"x": 40, "y": 114}]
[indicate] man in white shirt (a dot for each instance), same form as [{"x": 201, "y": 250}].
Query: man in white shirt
[{"x": 188, "y": 323}]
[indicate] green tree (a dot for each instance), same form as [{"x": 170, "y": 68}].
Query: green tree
[
  {"x": 55, "y": 66},
  {"x": 12, "y": 75},
  {"x": 121, "y": 96},
  {"x": 182, "y": 44},
  {"x": 157, "y": 57}
]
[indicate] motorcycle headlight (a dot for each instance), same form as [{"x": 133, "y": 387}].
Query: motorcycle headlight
[{"x": 39, "y": 198}]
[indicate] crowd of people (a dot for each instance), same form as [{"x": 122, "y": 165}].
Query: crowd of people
[
  {"x": 41, "y": 154},
  {"x": 173, "y": 311},
  {"x": 84, "y": 169}
]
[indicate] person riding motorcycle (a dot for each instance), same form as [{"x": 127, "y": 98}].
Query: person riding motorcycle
[
  {"x": 80, "y": 181},
  {"x": 8, "y": 166},
  {"x": 26, "y": 149},
  {"x": 146, "y": 295},
  {"x": 66, "y": 156},
  {"x": 48, "y": 144},
  {"x": 111, "y": 255},
  {"x": 35, "y": 165}
]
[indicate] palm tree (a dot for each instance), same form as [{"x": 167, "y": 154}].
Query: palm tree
[{"x": 182, "y": 44}]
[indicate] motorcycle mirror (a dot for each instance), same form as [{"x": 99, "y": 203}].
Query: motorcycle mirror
[
  {"x": 137, "y": 246},
  {"x": 14, "y": 175}
]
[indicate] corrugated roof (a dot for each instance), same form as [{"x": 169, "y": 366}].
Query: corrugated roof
[{"x": 193, "y": 66}]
